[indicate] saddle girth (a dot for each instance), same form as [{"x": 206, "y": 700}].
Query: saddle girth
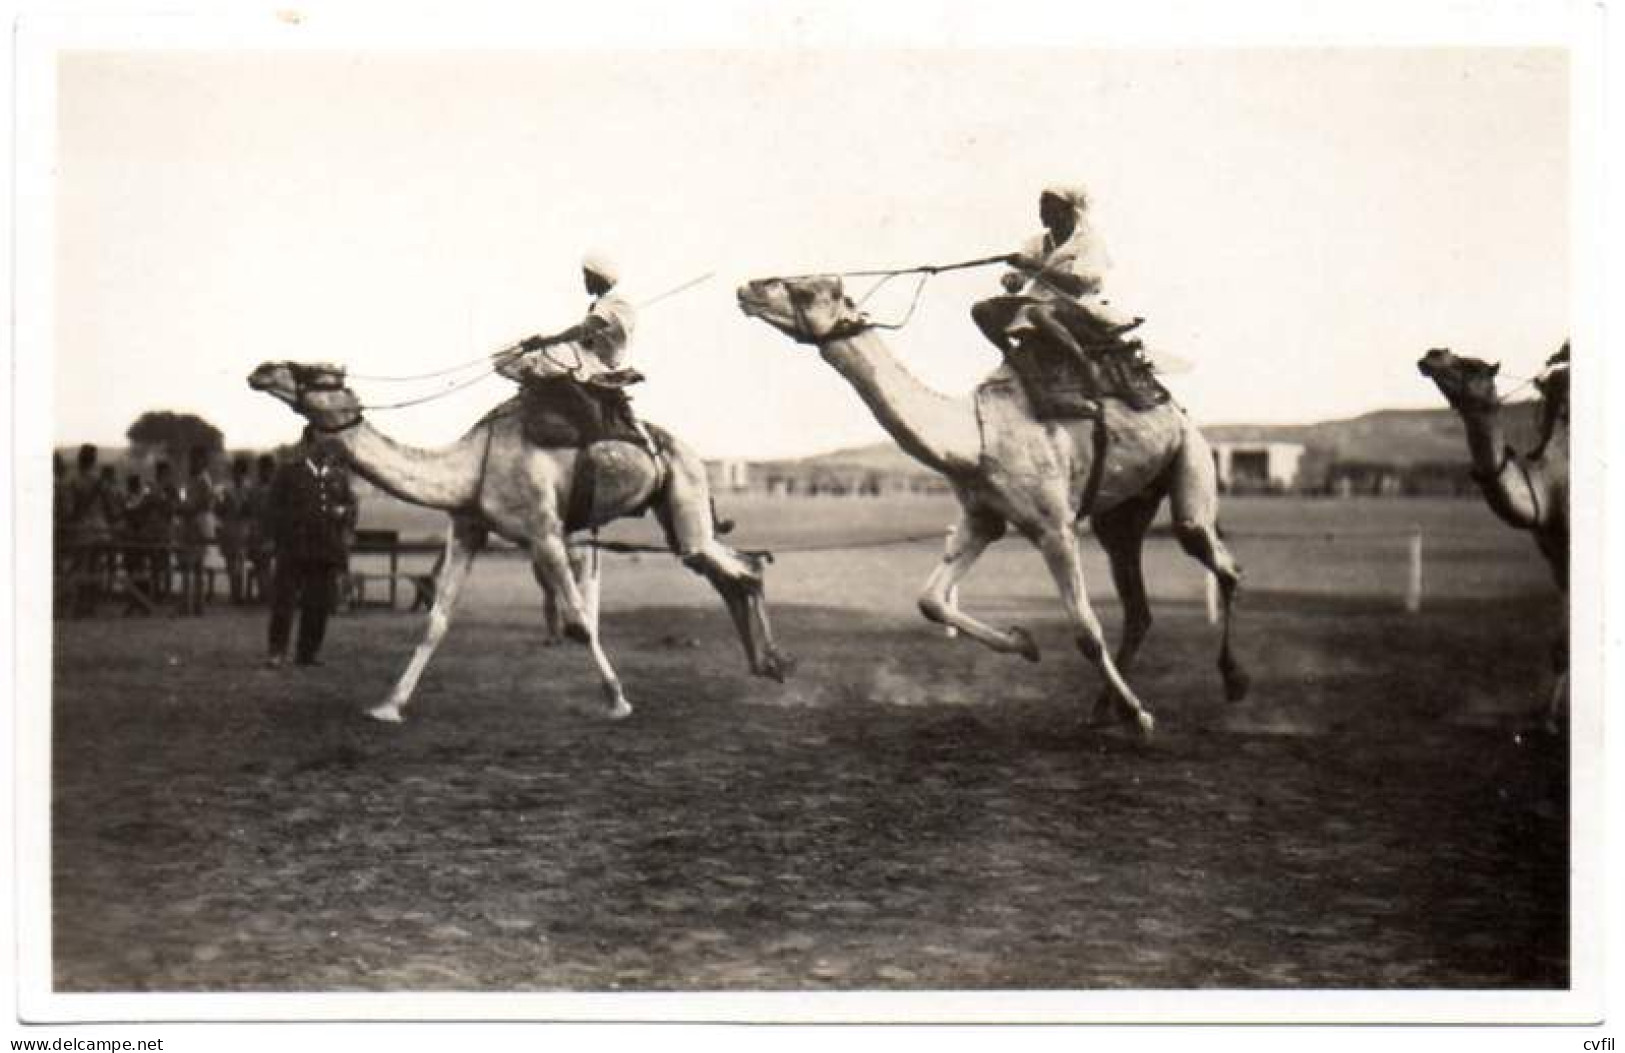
[{"x": 1097, "y": 468}]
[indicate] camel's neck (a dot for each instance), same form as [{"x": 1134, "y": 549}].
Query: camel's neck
[
  {"x": 447, "y": 479},
  {"x": 935, "y": 430},
  {"x": 1503, "y": 477}
]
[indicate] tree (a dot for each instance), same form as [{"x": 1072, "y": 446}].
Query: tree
[{"x": 174, "y": 433}]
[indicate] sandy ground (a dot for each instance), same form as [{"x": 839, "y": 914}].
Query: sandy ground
[{"x": 908, "y": 813}]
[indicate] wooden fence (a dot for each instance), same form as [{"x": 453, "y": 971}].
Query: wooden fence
[{"x": 147, "y": 576}]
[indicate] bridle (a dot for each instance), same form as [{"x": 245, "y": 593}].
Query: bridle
[
  {"x": 850, "y": 327},
  {"x": 844, "y": 329},
  {"x": 307, "y": 380}
]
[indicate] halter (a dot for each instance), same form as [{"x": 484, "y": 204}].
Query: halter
[
  {"x": 307, "y": 379},
  {"x": 851, "y": 327},
  {"x": 844, "y": 329}
]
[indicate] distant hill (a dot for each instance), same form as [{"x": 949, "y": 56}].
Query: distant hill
[{"x": 1396, "y": 437}]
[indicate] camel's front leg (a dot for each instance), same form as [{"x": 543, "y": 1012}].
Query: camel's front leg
[
  {"x": 550, "y": 561},
  {"x": 1060, "y": 548},
  {"x": 454, "y": 568},
  {"x": 939, "y": 598}
]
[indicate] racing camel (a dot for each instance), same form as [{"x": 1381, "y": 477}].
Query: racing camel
[
  {"x": 1526, "y": 491},
  {"x": 493, "y": 480},
  {"x": 1010, "y": 469}
]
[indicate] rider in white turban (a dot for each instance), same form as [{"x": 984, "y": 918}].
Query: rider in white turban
[
  {"x": 600, "y": 339},
  {"x": 1062, "y": 268},
  {"x": 601, "y": 265}
]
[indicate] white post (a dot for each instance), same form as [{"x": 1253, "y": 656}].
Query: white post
[
  {"x": 1210, "y": 582},
  {"x": 1413, "y": 587},
  {"x": 953, "y": 591}
]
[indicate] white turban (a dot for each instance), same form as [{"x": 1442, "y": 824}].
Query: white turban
[
  {"x": 1072, "y": 194},
  {"x": 601, "y": 265}
]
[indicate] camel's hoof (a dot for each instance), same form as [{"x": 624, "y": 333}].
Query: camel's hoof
[
  {"x": 620, "y": 710},
  {"x": 389, "y": 713},
  {"x": 1147, "y": 723},
  {"x": 1022, "y": 643},
  {"x": 578, "y": 633},
  {"x": 778, "y": 666}
]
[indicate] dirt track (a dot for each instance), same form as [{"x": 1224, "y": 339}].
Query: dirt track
[{"x": 909, "y": 813}]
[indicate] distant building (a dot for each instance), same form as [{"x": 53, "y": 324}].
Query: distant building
[
  {"x": 1258, "y": 467},
  {"x": 1364, "y": 479},
  {"x": 729, "y": 474}
]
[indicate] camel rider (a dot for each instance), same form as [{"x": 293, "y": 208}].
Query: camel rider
[
  {"x": 1056, "y": 282},
  {"x": 594, "y": 352},
  {"x": 597, "y": 344}
]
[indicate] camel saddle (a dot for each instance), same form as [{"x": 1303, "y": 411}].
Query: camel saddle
[
  {"x": 1062, "y": 388},
  {"x": 561, "y": 411}
]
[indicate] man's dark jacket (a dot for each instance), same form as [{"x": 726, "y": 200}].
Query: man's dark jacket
[{"x": 312, "y": 510}]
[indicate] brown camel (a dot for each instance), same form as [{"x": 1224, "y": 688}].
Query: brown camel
[
  {"x": 1009, "y": 469},
  {"x": 493, "y": 481},
  {"x": 1527, "y": 491}
]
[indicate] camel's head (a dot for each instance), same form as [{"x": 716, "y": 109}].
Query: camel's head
[
  {"x": 1467, "y": 383},
  {"x": 316, "y": 392},
  {"x": 810, "y": 310}
]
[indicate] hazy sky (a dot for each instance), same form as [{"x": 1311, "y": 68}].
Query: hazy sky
[{"x": 1302, "y": 224}]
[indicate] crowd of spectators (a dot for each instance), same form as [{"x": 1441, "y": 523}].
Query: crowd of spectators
[{"x": 154, "y": 534}]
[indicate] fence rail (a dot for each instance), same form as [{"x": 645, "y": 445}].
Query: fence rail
[
  {"x": 385, "y": 568},
  {"x": 147, "y": 575}
]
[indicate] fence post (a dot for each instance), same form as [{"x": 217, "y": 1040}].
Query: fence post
[
  {"x": 1413, "y": 587},
  {"x": 953, "y": 592},
  {"x": 1210, "y": 589}
]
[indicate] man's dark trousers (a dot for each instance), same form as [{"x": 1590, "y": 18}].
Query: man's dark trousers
[{"x": 310, "y": 585}]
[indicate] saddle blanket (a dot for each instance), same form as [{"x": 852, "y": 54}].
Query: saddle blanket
[
  {"x": 1061, "y": 387},
  {"x": 558, "y": 412}
]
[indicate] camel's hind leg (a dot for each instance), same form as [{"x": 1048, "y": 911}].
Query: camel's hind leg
[
  {"x": 463, "y": 543},
  {"x": 687, "y": 515},
  {"x": 1194, "y": 494},
  {"x": 969, "y": 538},
  {"x": 1121, "y": 532},
  {"x": 550, "y": 563},
  {"x": 1060, "y": 548}
]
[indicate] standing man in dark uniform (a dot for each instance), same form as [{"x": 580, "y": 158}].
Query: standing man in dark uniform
[{"x": 312, "y": 510}]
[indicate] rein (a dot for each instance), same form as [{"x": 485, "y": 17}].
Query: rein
[
  {"x": 927, "y": 269},
  {"x": 852, "y": 327},
  {"x": 432, "y": 396}
]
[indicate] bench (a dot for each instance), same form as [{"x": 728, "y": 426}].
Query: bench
[{"x": 388, "y": 543}]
